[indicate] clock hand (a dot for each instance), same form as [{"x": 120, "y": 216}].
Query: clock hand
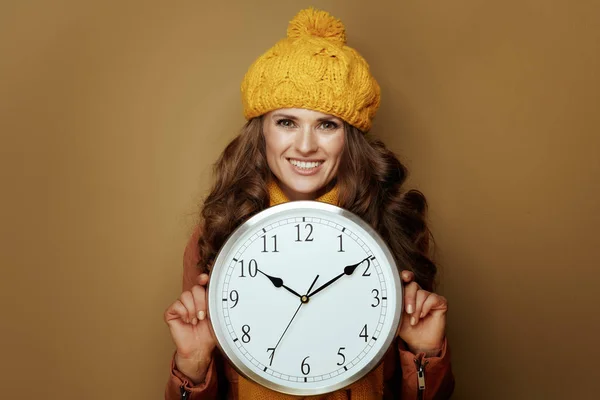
[
  {"x": 294, "y": 316},
  {"x": 311, "y": 286},
  {"x": 278, "y": 282},
  {"x": 288, "y": 325},
  {"x": 348, "y": 270}
]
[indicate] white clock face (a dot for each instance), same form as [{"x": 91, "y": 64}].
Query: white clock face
[{"x": 304, "y": 298}]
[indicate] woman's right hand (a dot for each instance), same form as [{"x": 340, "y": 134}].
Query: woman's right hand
[{"x": 191, "y": 331}]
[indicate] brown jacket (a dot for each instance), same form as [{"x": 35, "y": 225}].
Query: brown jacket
[{"x": 400, "y": 365}]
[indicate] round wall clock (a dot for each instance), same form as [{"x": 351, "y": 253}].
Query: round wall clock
[{"x": 304, "y": 298}]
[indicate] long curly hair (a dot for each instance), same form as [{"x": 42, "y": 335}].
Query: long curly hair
[{"x": 370, "y": 179}]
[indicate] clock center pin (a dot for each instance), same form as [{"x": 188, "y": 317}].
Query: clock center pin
[{"x": 304, "y": 299}]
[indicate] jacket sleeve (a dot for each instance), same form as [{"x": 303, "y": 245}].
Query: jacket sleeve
[
  {"x": 179, "y": 386},
  {"x": 437, "y": 377}
]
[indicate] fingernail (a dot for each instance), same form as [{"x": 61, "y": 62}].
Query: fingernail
[
  {"x": 413, "y": 320},
  {"x": 201, "y": 315},
  {"x": 409, "y": 309},
  {"x": 194, "y": 321}
]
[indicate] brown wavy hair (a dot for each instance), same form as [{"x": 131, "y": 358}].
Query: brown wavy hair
[{"x": 370, "y": 179}]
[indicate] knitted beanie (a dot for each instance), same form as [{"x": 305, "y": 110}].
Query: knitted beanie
[{"x": 312, "y": 68}]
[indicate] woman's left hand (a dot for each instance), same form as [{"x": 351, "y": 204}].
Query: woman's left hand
[{"x": 424, "y": 318}]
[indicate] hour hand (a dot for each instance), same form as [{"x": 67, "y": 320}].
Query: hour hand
[
  {"x": 348, "y": 270},
  {"x": 278, "y": 282}
]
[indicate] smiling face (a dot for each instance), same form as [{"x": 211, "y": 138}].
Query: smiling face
[{"x": 304, "y": 149}]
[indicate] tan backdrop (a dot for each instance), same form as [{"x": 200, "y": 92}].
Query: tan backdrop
[{"x": 111, "y": 113}]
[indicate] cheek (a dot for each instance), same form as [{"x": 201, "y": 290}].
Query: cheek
[
  {"x": 336, "y": 147},
  {"x": 275, "y": 146},
  {"x": 270, "y": 145},
  {"x": 271, "y": 157}
]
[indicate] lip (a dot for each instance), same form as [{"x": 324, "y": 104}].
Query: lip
[{"x": 305, "y": 172}]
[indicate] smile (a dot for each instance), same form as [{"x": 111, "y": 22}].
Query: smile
[{"x": 307, "y": 165}]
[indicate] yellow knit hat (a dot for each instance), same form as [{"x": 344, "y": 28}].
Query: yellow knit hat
[{"x": 312, "y": 68}]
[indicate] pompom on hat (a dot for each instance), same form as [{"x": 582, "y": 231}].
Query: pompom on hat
[{"x": 312, "y": 68}]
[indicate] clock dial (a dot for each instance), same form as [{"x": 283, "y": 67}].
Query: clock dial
[{"x": 304, "y": 300}]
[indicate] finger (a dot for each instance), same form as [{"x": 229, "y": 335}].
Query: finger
[
  {"x": 433, "y": 302},
  {"x": 422, "y": 296},
  {"x": 199, "y": 294},
  {"x": 410, "y": 293},
  {"x": 175, "y": 311},
  {"x": 188, "y": 301},
  {"x": 407, "y": 276},
  {"x": 202, "y": 279}
]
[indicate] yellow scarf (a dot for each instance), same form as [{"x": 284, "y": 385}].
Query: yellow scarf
[{"x": 368, "y": 388}]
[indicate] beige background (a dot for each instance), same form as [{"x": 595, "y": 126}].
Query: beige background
[{"x": 111, "y": 113}]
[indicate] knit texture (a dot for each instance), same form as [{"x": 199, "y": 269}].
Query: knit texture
[
  {"x": 312, "y": 68},
  {"x": 276, "y": 195},
  {"x": 368, "y": 388}
]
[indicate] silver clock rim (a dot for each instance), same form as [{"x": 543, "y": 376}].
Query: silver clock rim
[{"x": 214, "y": 296}]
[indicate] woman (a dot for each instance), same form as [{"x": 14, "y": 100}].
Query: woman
[{"x": 309, "y": 101}]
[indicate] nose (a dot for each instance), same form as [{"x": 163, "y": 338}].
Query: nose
[{"x": 306, "y": 141}]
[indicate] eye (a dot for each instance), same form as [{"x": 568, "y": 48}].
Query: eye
[
  {"x": 329, "y": 125},
  {"x": 286, "y": 123}
]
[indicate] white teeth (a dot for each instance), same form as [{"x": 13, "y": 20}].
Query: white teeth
[{"x": 305, "y": 164}]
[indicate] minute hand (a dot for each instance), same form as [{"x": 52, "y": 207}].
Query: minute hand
[{"x": 348, "y": 270}]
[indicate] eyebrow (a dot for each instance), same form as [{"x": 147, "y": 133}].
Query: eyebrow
[{"x": 292, "y": 117}]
